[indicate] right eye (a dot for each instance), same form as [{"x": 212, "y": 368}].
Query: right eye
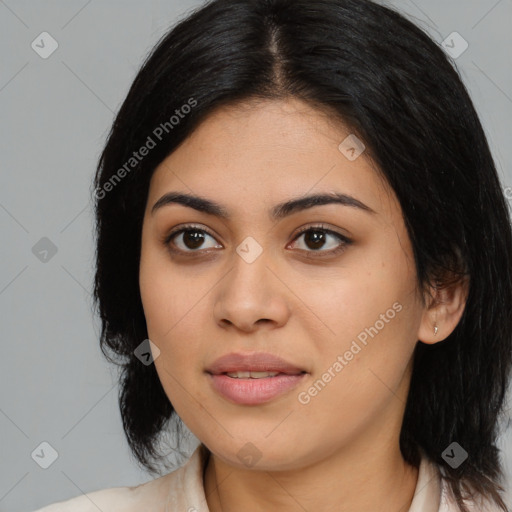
[{"x": 188, "y": 239}]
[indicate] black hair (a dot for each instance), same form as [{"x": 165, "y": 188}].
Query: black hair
[{"x": 396, "y": 89}]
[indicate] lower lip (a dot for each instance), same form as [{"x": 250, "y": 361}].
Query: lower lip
[{"x": 254, "y": 391}]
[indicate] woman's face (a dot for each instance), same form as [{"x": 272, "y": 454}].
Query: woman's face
[{"x": 338, "y": 303}]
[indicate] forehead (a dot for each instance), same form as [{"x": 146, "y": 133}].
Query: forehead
[{"x": 267, "y": 152}]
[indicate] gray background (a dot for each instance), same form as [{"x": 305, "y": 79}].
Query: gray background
[{"x": 56, "y": 113}]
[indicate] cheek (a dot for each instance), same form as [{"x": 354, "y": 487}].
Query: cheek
[
  {"x": 173, "y": 300},
  {"x": 167, "y": 294},
  {"x": 372, "y": 321},
  {"x": 361, "y": 373},
  {"x": 351, "y": 300}
]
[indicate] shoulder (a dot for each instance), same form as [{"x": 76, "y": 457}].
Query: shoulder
[
  {"x": 112, "y": 500},
  {"x": 433, "y": 494},
  {"x": 449, "y": 504},
  {"x": 182, "y": 486}
]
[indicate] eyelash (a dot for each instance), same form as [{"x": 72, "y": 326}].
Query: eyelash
[{"x": 191, "y": 227}]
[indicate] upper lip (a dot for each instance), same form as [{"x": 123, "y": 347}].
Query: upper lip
[{"x": 256, "y": 362}]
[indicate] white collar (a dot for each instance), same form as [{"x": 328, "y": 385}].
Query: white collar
[{"x": 186, "y": 489}]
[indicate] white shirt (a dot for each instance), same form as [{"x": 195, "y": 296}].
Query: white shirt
[{"x": 182, "y": 490}]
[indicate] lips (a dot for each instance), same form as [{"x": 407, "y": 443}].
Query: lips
[
  {"x": 255, "y": 362},
  {"x": 256, "y": 389}
]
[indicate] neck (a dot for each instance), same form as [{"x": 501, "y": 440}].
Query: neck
[{"x": 351, "y": 479}]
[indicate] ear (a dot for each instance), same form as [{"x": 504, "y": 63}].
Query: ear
[{"x": 445, "y": 311}]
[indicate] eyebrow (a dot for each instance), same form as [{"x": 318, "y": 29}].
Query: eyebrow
[{"x": 279, "y": 211}]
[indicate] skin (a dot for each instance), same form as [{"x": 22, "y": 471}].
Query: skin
[{"x": 292, "y": 302}]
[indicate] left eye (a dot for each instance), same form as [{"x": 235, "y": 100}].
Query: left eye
[{"x": 316, "y": 238}]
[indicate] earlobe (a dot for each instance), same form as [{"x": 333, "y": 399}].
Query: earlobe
[{"x": 440, "y": 318}]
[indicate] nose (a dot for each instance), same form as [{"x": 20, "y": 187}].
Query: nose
[{"x": 251, "y": 296}]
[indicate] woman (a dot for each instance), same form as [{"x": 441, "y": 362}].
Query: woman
[{"x": 303, "y": 253}]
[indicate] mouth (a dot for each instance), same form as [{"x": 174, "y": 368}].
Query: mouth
[{"x": 253, "y": 378}]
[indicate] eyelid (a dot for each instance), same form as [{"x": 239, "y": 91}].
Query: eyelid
[{"x": 321, "y": 227}]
